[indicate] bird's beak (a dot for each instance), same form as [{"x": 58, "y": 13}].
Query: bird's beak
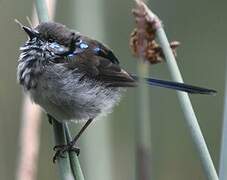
[{"x": 30, "y": 32}]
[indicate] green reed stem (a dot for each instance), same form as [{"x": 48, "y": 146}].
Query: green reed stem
[
  {"x": 74, "y": 161},
  {"x": 66, "y": 170},
  {"x": 42, "y": 11},
  {"x": 187, "y": 108},
  {"x": 97, "y": 141},
  {"x": 143, "y": 126},
  {"x": 223, "y": 153},
  {"x": 63, "y": 163}
]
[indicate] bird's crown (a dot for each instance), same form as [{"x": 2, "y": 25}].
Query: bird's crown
[{"x": 52, "y": 31}]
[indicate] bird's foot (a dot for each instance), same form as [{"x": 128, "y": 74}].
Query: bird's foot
[{"x": 60, "y": 150}]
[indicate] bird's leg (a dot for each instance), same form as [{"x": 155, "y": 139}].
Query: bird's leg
[{"x": 61, "y": 149}]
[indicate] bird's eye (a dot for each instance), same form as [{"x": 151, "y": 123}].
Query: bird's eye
[
  {"x": 57, "y": 48},
  {"x": 83, "y": 45}
]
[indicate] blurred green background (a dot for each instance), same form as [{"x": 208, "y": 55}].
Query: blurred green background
[{"x": 108, "y": 147}]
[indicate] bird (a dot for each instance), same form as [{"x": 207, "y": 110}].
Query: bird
[{"x": 76, "y": 78}]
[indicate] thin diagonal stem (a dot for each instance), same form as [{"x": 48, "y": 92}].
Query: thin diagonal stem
[
  {"x": 184, "y": 99},
  {"x": 190, "y": 117}
]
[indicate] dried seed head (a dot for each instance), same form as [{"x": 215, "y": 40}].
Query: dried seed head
[{"x": 142, "y": 40}]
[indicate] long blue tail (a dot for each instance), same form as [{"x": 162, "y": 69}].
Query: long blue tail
[{"x": 178, "y": 86}]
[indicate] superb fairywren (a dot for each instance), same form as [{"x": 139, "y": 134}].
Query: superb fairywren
[{"x": 73, "y": 77}]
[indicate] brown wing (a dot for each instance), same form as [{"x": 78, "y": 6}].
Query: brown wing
[
  {"x": 113, "y": 75},
  {"x": 98, "y": 62}
]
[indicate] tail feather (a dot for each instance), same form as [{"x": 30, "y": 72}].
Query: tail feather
[{"x": 178, "y": 86}]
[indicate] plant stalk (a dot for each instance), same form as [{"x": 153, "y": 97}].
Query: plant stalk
[
  {"x": 59, "y": 128},
  {"x": 74, "y": 161},
  {"x": 187, "y": 108},
  {"x": 143, "y": 126},
  {"x": 63, "y": 163},
  {"x": 42, "y": 11},
  {"x": 223, "y": 153}
]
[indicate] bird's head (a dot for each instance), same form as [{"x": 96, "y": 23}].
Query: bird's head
[
  {"x": 51, "y": 38},
  {"x": 49, "y": 42}
]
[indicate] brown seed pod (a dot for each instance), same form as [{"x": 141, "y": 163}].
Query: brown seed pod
[{"x": 142, "y": 40}]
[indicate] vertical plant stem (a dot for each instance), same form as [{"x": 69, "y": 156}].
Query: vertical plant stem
[
  {"x": 96, "y": 142},
  {"x": 187, "y": 108},
  {"x": 74, "y": 161},
  {"x": 63, "y": 163},
  {"x": 143, "y": 126},
  {"x": 30, "y": 126},
  {"x": 223, "y": 153},
  {"x": 59, "y": 131},
  {"x": 42, "y": 10},
  {"x": 144, "y": 120},
  {"x": 29, "y": 141}
]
